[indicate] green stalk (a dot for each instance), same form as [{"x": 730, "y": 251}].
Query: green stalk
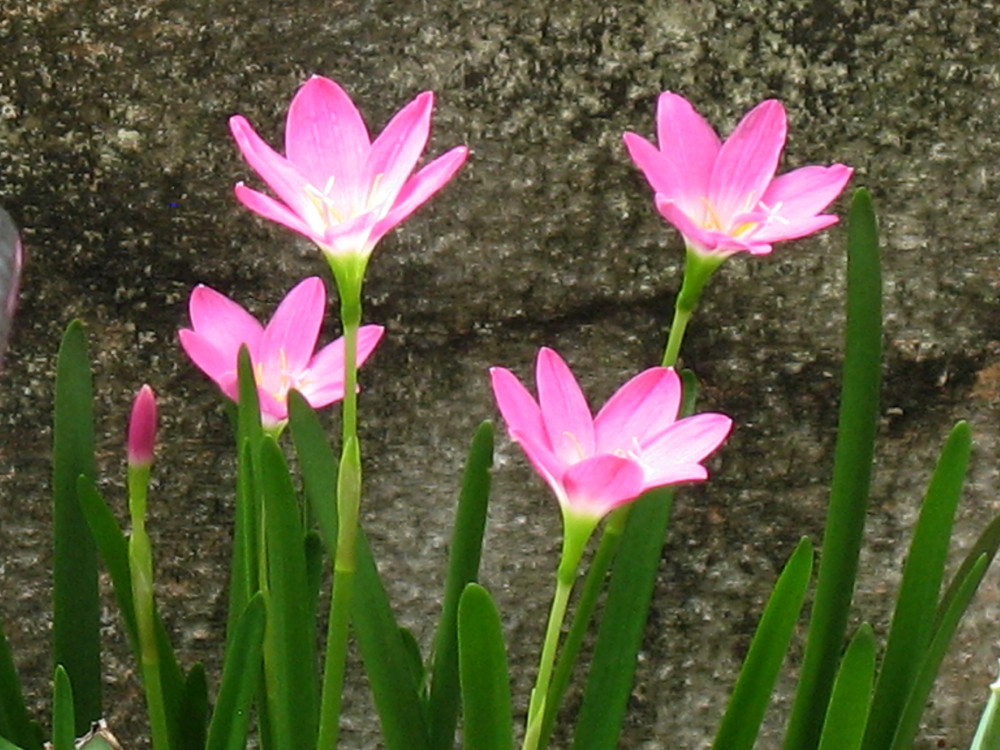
[
  {"x": 349, "y": 274},
  {"x": 141, "y": 569}
]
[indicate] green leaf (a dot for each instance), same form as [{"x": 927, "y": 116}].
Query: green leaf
[
  {"x": 244, "y": 566},
  {"x": 850, "y": 700},
  {"x": 987, "y": 544},
  {"x": 63, "y": 723},
  {"x": 387, "y": 660},
  {"x": 741, "y": 723},
  {"x": 194, "y": 711},
  {"x": 487, "y": 723},
  {"x": 930, "y": 659},
  {"x": 413, "y": 651},
  {"x": 913, "y": 620},
  {"x": 15, "y": 722},
  {"x": 8, "y": 745},
  {"x": 314, "y": 569},
  {"x": 853, "y": 457},
  {"x": 620, "y": 634},
  {"x": 318, "y": 466},
  {"x": 240, "y": 675},
  {"x": 290, "y": 640},
  {"x": 463, "y": 568},
  {"x": 75, "y": 605},
  {"x": 386, "y": 657}
]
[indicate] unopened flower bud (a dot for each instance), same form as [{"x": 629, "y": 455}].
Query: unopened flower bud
[{"x": 142, "y": 428}]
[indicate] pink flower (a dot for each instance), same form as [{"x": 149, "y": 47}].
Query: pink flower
[
  {"x": 334, "y": 185},
  {"x": 724, "y": 197},
  {"x": 281, "y": 353},
  {"x": 597, "y": 464},
  {"x": 142, "y": 428}
]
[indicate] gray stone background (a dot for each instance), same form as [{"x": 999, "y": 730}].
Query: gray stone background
[{"x": 116, "y": 160}]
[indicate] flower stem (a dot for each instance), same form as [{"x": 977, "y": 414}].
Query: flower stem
[
  {"x": 141, "y": 573},
  {"x": 536, "y": 708},
  {"x": 592, "y": 586},
  {"x": 349, "y": 278}
]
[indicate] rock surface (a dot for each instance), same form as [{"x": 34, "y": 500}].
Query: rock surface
[{"x": 116, "y": 161}]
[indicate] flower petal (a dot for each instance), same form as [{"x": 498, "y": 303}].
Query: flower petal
[
  {"x": 685, "y": 443},
  {"x": 777, "y": 231},
  {"x": 283, "y": 177},
  {"x": 271, "y": 209},
  {"x": 223, "y": 323},
  {"x": 645, "y": 406},
  {"x": 323, "y": 382},
  {"x": 326, "y": 138},
  {"x": 218, "y": 365},
  {"x": 290, "y": 336},
  {"x": 567, "y": 417},
  {"x": 419, "y": 188},
  {"x": 689, "y": 144},
  {"x": 803, "y": 193},
  {"x": 747, "y": 160},
  {"x": 518, "y": 407},
  {"x": 598, "y": 485},
  {"x": 396, "y": 151}
]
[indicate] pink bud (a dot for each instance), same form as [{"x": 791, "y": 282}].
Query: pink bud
[{"x": 142, "y": 428}]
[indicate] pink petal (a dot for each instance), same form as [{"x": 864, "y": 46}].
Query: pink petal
[
  {"x": 272, "y": 410},
  {"x": 396, "y": 151},
  {"x": 645, "y": 406},
  {"x": 657, "y": 171},
  {"x": 598, "y": 485},
  {"x": 325, "y": 137},
  {"x": 777, "y": 231},
  {"x": 688, "y": 143},
  {"x": 518, "y": 407},
  {"x": 290, "y": 336},
  {"x": 803, "y": 193},
  {"x": 419, "y": 188},
  {"x": 700, "y": 238},
  {"x": 567, "y": 417},
  {"x": 323, "y": 383},
  {"x": 283, "y": 177},
  {"x": 223, "y": 323},
  {"x": 686, "y": 442},
  {"x": 747, "y": 160},
  {"x": 545, "y": 462},
  {"x": 218, "y": 365},
  {"x": 273, "y": 210}
]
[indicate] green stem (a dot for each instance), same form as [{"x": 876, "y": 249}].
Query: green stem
[
  {"x": 593, "y": 584},
  {"x": 536, "y": 708},
  {"x": 677, "y": 329},
  {"x": 349, "y": 279},
  {"x": 141, "y": 569}
]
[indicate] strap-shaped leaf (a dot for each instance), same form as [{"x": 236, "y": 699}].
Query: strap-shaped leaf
[
  {"x": 63, "y": 720},
  {"x": 240, "y": 675},
  {"x": 919, "y": 589},
  {"x": 318, "y": 465},
  {"x": 244, "y": 565},
  {"x": 463, "y": 568},
  {"x": 930, "y": 660},
  {"x": 15, "y": 722},
  {"x": 76, "y": 608},
  {"x": 8, "y": 745},
  {"x": 743, "y": 717},
  {"x": 850, "y": 700},
  {"x": 387, "y": 659},
  {"x": 845, "y": 520},
  {"x": 613, "y": 665},
  {"x": 194, "y": 711},
  {"x": 290, "y": 641},
  {"x": 487, "y": 722}
]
